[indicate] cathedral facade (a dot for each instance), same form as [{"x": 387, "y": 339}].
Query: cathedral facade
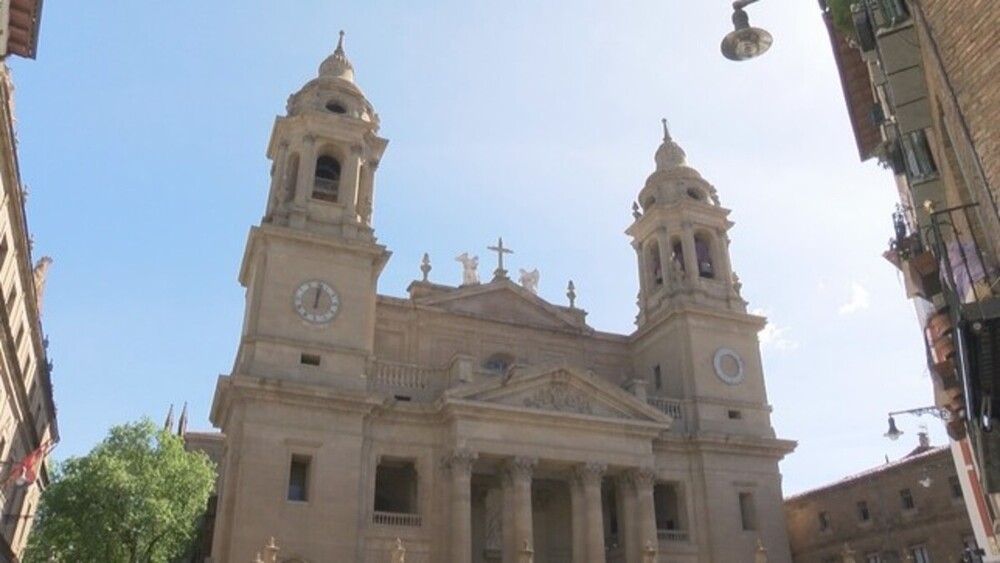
[{"x": 481, "y": 423}]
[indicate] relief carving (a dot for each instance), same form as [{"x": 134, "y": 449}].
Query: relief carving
[
  {"x": 518, "y": 470},
  {"x": 559, "y": 397},
  {"x": 589, "y": 474},
  {"x": 459, "y": 462}
]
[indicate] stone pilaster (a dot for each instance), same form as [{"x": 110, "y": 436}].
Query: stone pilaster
[
  {"x": 515, "y": 475},
  {"x": 459, "y": 466},
  {"x": 589, "y": 476},
  {"x": 644, "y": 479}
]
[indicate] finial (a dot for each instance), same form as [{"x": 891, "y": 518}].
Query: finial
[
  {"x": 340, "y": 41},
  {"x": 666, "y": 129},
  {"x": 183, "y": 423},
  {"x": 168, "y": 424},
  {"x": 337, "y": 65},
  {"x": 425, "y": 266},
  {"x": 571, "y": 294},
  {"x": 635, "y": 210}
]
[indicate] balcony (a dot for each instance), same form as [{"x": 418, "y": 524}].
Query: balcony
[
  {"x": 412, "y": 381},
  {"x": 672, "y": 535},
  {"x": 396, "y": 519}
]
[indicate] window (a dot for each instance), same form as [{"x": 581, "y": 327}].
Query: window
[
  {"x": 11, "y": 297},
  {"x": 824, "y": 521},
  {"x": 917, "y": 153},
  {"x": 4, "y": 250},
  {"x": 907, "y": 498},
  {"x": 396, "y": 487},
  {"x": 655, "y": 268},
  {"x": 326, "y": 186},
  {"x": 335, "y": 107},
  {"x": 677, "y": 258},
  {"x": 658, "y": 377},
  {"x": 667, "y": 503},
  {"x": 735, "y": 415},
  {"x": 748, "y": 513},
  {"x": 20, "y": 336},
  {"x": 956, "y": 487},
  {"x": 298, "y": 478},
  {"x": 893, "y": 11},
  {"x": 498, "y": 362},
  {"x": 919, "y": 554},
  {"x": 863, "y": 514},
  {"x": 309, "y": 359},
  {"x": 703, "y": 250}
]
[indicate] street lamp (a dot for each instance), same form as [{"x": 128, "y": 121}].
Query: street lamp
[
  {"x": 744, "y": 42},
  {"x": 894, "y": 433}
]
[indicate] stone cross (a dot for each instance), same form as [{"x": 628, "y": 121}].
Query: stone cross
[{"x": 500, "y": 273}]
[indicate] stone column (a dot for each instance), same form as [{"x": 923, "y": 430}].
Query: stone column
[
  {"x": 644, "y": 479},
  {"x": 690, "y": 254},
  {"x": 666, "y": 264},
  {"x": 459, "y": 466},
  {"x": 578, "y": 506},
  {"x": 517, "y": 526},
  {"x": 589, "y": 475},
  {"x": 628, "y": 528},
  {"x": 307, "y": 171},
  {"x": 279, "y": 183},
  {"x": 350, "y": 178}
]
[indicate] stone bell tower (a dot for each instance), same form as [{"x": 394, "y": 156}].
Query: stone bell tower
[
  {"x": 311, "y": 266},
  {"x": 695, "y": 340},
  {"x": 696, "y": 346}
]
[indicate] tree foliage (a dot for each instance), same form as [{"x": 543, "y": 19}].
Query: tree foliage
[{"x": 135, "y": 498}]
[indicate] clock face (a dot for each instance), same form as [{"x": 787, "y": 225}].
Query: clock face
[
  {"x": 316, "y": 302},
  {"x": 728, "y": 366}
]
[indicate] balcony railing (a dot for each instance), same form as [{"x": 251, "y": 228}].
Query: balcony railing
[
  {"x": 326, "y": 189},
  {"x": 669, "y": 407},
  {"x": 672, "y": 535},
  {"x": 406, "y": 379},
  {"x": 397, "y": 519}
]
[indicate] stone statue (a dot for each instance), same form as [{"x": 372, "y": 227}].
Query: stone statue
[
  {"x": 469, "y": 264},
  {"x": 529, "y": 280},
  {"x": 399, "y": 552},
  {"x": 39, "y": 273}
]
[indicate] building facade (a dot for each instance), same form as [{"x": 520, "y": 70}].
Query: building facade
[
  {"x": 27, "y": 409},
  {"x": 473, "y": 422},
  {"x": 912, "y": 509},
  {"x": 919, "y": 79}
]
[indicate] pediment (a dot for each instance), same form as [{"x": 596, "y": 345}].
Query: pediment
[
  {"x": 560, "y": 389},
  {"x": 505, "y": 301}
]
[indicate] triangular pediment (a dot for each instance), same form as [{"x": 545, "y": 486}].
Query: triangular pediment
[
  {"x": 560, "y": 389},
  {"x": 505, "y": 301}
]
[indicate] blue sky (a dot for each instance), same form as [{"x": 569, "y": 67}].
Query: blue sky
[{"x": 142, "y": 129}]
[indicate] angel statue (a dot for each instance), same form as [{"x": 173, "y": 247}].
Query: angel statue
[
  {"x": 529, "y": 280},
  {"x": 469, "y": 264}
]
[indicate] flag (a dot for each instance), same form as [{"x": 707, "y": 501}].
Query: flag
[{"x": 25, "y": 472}]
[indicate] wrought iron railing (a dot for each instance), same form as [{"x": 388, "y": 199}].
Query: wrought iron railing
[{"x": 672, "y": 535}]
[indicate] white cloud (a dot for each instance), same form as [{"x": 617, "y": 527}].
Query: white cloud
[
  {"x": 774, "y": 337},
  {"x": 860, "y": 300}
]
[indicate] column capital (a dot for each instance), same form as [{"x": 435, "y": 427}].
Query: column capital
[
  {"x": 589, "y": 473},
  {"x": 459, "y": 461},
  {"x": 518, "y": 469},
  {"x": 639, "y": 477}
]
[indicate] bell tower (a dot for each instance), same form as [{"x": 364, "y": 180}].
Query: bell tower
[
  {"x": 695, "y": 340},
  {"x": 311, "y": 266}
]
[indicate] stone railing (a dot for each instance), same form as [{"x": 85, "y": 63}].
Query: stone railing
[
  {"x": 408, "y": 379},
  {"x": 669, "y": 407},
  {"x": 672, "y": 535},
  {"x": 398, "y": 519}
]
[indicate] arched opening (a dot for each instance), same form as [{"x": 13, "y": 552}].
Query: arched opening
[
  {"x": 703, "y": 251},
  {"x": 326, "y": 186},
  {"x": 655, "y": 268},
  {"x": 335, "y": 107}
]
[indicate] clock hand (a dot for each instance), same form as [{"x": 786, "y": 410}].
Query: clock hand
[{"x": 316, "y": 301}]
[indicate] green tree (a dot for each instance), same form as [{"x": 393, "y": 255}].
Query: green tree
[{"x": 135, "y": 498}]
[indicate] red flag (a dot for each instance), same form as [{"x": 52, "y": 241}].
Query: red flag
[{"x": 25, "y": 472}]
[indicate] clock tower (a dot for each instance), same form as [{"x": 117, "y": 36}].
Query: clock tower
[
  {"x": 297, "y": 398},
  {"x": 311, "y": 266}
]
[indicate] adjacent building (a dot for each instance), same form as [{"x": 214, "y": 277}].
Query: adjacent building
[
  {"x": 476, "y": 421},
  {"x": 27, "y": 410},
  {"x": 919, "y": 78},
  {"x": 908, "y": 510}
]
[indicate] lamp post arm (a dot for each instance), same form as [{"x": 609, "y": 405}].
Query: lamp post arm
[
  {"x": 739, "y": 4},
  {"x": 938, "y": 412}
]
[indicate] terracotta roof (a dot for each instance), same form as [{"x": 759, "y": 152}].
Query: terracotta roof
[
  {"x": 856, "y": 84},
  {"x": 25, "y": 18},
  {"x": 912, "y": 457}
]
